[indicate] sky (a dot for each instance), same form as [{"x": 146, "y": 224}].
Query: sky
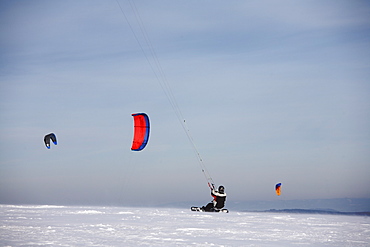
[{"x": 271, "y": 91}]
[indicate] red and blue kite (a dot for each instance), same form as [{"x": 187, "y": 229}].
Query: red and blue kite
[{"x": 141, "y": 131}]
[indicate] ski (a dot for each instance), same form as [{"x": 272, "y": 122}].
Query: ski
[{"x": 198, "y": 209}]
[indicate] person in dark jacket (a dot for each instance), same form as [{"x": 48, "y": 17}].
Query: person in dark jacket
[{"x": 219, "y": 198}]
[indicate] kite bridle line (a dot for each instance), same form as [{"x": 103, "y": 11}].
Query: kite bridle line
[{"x": 162, "y": 80}]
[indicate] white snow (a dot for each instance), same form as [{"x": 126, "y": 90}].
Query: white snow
[{"x": 119, "y": 226}]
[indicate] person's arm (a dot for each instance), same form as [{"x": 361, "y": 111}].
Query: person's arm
[{"x": 211, "y": 186}]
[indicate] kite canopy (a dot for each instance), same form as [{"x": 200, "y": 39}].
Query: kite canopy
[
  {"x": 278, "y": 189},
  {"x": 49, "y": 137},
  {"x": 141, "y": 131}
]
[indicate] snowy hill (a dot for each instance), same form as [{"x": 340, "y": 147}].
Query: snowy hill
[
  {"x": 315, "y": 211},
  {"x": 339, "y": 204}
]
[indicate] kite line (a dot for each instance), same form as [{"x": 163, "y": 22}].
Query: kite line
[{"x": 153, "y": 61}]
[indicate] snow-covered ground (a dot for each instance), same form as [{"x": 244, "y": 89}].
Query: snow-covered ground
[{"x": 119, "y": 226}]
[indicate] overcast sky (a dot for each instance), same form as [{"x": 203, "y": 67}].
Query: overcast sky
[{"x": 271, "y": 91}]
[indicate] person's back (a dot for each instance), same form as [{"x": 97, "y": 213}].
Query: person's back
[
  {"x": 219, "y": 197},
  {"x": 218, "y": 202}
]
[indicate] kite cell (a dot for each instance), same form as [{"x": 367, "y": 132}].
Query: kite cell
[
  {"x": 141, "y": 131},
  {"x": 49, "y": 137},
  {"x": 277, "y": 189}
]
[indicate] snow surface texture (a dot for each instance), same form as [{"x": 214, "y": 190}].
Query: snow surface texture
[{"x": 119, "y": 226}]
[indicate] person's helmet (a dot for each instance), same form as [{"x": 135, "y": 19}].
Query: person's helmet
[{"x": 221, "y": 189}]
